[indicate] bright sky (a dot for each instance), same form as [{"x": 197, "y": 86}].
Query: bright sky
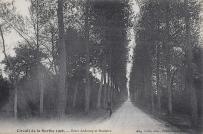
[
  {"x": 12, "y": 38},
  {"x": 131, "y": 45},
  {"x": 22, "y": 8}
]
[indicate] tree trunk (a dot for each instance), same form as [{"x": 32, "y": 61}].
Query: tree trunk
[
  {"x": 201, "y": 47},
  {"x": 41, "y": 95},
  {"x": 87, "y": 88},
  {"x": 110, "y": 75},
  {"x": 40, "y": 81},
  {"x": 4, "y": 46},
  {"x": 112, "y": 89},
  {"x": 62, "y": 63},
  {"x": 107, "y": 89},
  {"x": 53, "y": 50},
  {"x": 167, "y": 47},
  {"x": 15, "y": 106},
  {"x": 100, "y": 91},
  {"x": 152, "y": 101},
  {"x": 170, "y": 106},
  {"x": 105, "y": 83},
  {"x": 157, "y": 78},
  {"x": 75, "y": 94},
  {"x": 170, "y": 84},
  {"x": 148, "y": 81},
  {"x": 201, "y": 85},
  {"x": 189, "y": 55},
  {"x": 145, "y": 86}
]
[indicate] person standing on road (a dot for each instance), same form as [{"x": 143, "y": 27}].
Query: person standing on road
[{"x": 109, "y": 108}]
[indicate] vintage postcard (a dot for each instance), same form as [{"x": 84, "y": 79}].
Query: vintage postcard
[{"x": 101, "y": 67}]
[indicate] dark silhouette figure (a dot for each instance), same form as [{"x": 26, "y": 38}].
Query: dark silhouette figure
[{"x": 109, "y": 109}]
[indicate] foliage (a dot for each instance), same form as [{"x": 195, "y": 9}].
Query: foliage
[
  {"x": 160, "y": 76},
  {"x": 5, "y": 87},
  {"x": 25, "y": 61}
]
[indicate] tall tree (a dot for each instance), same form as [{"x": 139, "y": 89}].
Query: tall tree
[
  {"x": 6, "y": 8},
  {"x": 15, "y": 106},
  {"x": 62, "y": 61},
  {"x": 87, "y": 87},
  {"x": 100, "y": 89},
  {"x": 35, "y": 14},
  {"x": 171, "y": 28},
  {"x": 168, "y": 48},
  {"x": 189, "y": 58}
]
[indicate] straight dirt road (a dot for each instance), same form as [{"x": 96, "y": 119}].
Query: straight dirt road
[{"x": 126, "y": 120}]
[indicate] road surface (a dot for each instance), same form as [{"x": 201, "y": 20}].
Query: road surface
[{"x": 126, "y": 120}]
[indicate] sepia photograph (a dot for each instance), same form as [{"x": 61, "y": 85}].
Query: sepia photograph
[{"x": 101, "y": 66}]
